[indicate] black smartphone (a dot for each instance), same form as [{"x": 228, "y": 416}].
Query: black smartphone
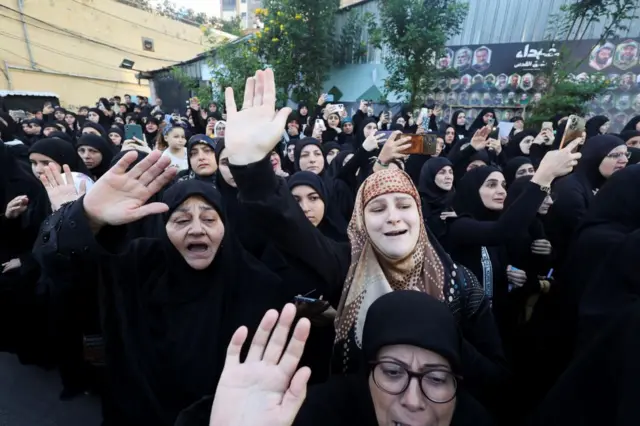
[
  {"x": 310, "y": 300},
  {"x": 133, "y": 130},
  {"x": 386, "y": 134}
]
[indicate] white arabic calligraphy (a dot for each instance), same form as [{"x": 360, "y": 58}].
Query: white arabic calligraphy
[{"x": 537, "y": 53}]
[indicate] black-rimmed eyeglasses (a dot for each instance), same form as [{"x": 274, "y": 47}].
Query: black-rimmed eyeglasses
[{"x": 437, "y": 385}]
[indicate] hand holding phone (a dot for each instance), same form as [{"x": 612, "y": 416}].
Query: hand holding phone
[
  {"x": 574, "y": 129},
  {"x": 133, "y": 131},
  {"x": 320, "y": 125}
]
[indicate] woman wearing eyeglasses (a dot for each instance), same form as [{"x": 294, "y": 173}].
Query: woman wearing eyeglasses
[{"x": 411, "y": 346}]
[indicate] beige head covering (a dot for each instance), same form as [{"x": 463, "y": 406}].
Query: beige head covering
[{"x": 371, "y": 275}]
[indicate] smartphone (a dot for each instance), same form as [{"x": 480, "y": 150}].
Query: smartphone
[
  {"x": 320, "y": 124},
  {"x": 133, "y": 131},
  {"x": 303, "y": 299},
  {"x": 426, "y": 144},
  {"x": 167, "y": 118},
  {"x": 491, "y": 121},
  {"x": 495, "y": 133},
  {"x": 574, "y": 128},
  {"x": 328, "y": 97},
  {"x": 547, "y": 125},
  {"x": 386, "y": 134}
]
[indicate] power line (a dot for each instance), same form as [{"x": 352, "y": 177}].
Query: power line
[
  {"x": 80, "y": 36},
  {"x": 134, "y": 23}
]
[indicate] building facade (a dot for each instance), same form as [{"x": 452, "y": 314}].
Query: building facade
[
  {"x": 74, "y": 48},
  {"x": 496, "y": 22}
]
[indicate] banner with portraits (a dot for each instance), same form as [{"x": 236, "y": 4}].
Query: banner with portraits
[{"x": 509, "y": 77}]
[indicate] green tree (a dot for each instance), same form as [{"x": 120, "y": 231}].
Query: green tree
[
  {"x": 230, "y": 66},
  {"x": 351, "y": 47},
  {"x": 297, "y": 42},
  {"x": 412, "y": 34},
  {"x": 564, "y": 95}
]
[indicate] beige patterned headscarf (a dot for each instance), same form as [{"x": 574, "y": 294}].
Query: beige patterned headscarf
[{"x": 371, "y": 275}]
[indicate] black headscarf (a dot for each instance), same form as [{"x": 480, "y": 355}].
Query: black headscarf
[
  {"x": 467, "y": 201},
  {"x": 635, "y": 155},
  {"x": 103, "y": 120},
  {"x": 593, "y": 152},
  {"x": 328, "y": 146},
  {"x": 360, "y": 135},
  {"x": 95, "y": 126},
  {"x": 631, "y": 124},
  {"x": 106, "y": 149},
  {"x": 61, "y": 135},
  {"x": 204, "y": 140},
  {"x": 512, "y": 166},
  {"x": 433, "y": 197},
  {"x": 62, "y": 152},
  {"x": 300, "y": 146},
  {"x": 629, "y": 134},
  {"x": 151, "y": 136},
  {"x": 593, "y": 125},
  {"x": 513, "y": 147},
  {"x": 479, "y": 123},
  {"x": 461, "y": 131}
]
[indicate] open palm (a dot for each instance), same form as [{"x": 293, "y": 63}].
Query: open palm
[
  {"x": 266, "y": 389},
  {"x": 61, "y": 191},
  {"x": 119, "y": 196},
  {"x": 253, "y": 132}
]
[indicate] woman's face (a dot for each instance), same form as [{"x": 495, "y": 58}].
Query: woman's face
[
  {"x": 69, "y": 119},
  {"x": 90, "y": 156},
  {"x": 151, "y": 127},
  {"x": 519, "y": 125},
  {"x": 444, "y": 178},
  {"x": 202, "y": 159},
  {"x": 59, "y": 115},
  {"x": 475, "y": 164},
  {"x": 370, "y": 129},
  {"x": 275, "y": 161},
  {"x": 525, "y": 145},
  {"x": 347, "y": 128},
  {"x": 220, "y": 130},
  {"x": 311, "y": 159},
  {"x": 493, "y": 191},
  {"x": 411, "y": 407},
  {"x": 93, "y": 116},
  {"x": 401, "y": 121},
  {"x": 449, "y": 135},
  {"x": 310, "y": 203},
  {"x": 223, "y": 166},
  {"x": 90, "y": 131},
  {"x": 546, "y": 205},
  {"x": 304, "y": 110},
  {"x": 486, "y": 117},
  {"x": 461, "y": 120},
  {"x": 332, "y": 154},
  {"x": 616, "y": 160},
  {"x": 439, "y": 146},
  {"x": 196, "y": 231},
  {"x": 176, "y": 138},
  {"x": 118, "y": 120},
  {"x": 291, "y": 152},
  {"x": 393, "y": 224},
  {"x": 39, "y": 161},
  {"x": 334, "y": 121},
  {"x": 605, "y": 127},
  {"x": 115, "y": 138},
  {"x": 48, "y": 130},
  {"x": 525, "y": 170},
  {"x": 634, "y": 142}
]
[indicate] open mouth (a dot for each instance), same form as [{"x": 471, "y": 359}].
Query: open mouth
[
  {"x": 395, "y": 233},
  {"x": 197, "y": 247}
]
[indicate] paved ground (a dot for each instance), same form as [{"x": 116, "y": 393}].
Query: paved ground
[{"x": 29, "y": 397}]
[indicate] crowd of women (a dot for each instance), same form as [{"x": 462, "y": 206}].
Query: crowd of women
[{"x": 499, "y": 274}]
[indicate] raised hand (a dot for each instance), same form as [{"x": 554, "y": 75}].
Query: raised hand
[
  {"x": 266, "y": 389},
  {"x": 59, "y": 191},
  {"x": 394, "y": 148},
  {"x": 16, "y": 207},
  {"x": 119, "y": 197},
  {"x": 479, "y": 139},
  {"x": 557, "y": 163},
  {"x": 253, "y": 132}
]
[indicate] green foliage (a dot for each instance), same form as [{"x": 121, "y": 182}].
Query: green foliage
[
  {"x": 230, "y": 66},
  {"x": 351, "y": 48},
  {"x": 566, "y": 96},
  {"x": 414, "y": 33},
  {"x": 195, "y": 87}
]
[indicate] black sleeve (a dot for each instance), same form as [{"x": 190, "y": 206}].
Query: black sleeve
[
  {"x": 513, "y": 221},
  {"x": 273, "y": 208},
  {"x": 199, "y": 123},
  {"x": 358, "y": 161},
  {"x": 536, "y": 153}
]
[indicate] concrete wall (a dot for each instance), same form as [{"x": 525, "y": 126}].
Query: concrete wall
[{"x": 78, "y": 45}]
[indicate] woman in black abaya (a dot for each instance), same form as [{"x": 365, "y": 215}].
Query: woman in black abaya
[
  {"x": 168, "y": 304},
  {"x": 96, "y": 153},
  {"x": 482, "y": 120},
  {"x": 601, "y": 157},
  {"x": 436, "y": 192},
  {"x": 597, "y": 125},
  {"x": 605, "y": 272},
  {"x": 518, "y": 167}
]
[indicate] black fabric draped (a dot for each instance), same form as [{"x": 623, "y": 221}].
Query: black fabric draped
[
  {"x": 512, "y": 166},
  {"x": 592, "y": 127},
  {"x": 165, "y": 324},
  {"x": 435, "y": 200},
  {"x": 106, "y": 149}
]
